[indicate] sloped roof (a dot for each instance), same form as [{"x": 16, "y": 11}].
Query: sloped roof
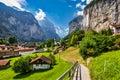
[
  {"x": 26, "y": 49},
  {"x": 116, "y": 25},
  {"x": 43, "y": 58},
  {"x": 4, "y": 62},
  {"x": 3, "y": 51}
]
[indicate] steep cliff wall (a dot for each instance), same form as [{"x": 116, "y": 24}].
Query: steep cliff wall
[
  {"x": 75, "y": 24},
  {"x": 102, "y": 14}
]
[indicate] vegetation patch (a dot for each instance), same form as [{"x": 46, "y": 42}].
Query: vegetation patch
[
  {"x": 106, "y": 66},
  {"x": 71, "y": 54},
  {"x": 52, "y": 74},
  {"x": 93, "y": 44}
]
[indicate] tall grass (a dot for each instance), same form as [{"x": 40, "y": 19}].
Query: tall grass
[{"x": 106, "y": 66}]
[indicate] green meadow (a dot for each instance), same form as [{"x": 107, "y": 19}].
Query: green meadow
[
  {"x": 106, "y": 66},
  {"x": 52, "y": 74}
]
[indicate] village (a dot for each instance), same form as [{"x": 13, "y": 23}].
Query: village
[
  {"x": 60, "y": 40},
  {"x": 40, "y": 62},
  {"x": 24, "y": 49}
]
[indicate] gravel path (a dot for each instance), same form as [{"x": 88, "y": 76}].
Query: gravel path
[
  {"x": 81, "y": 73},
  {"x": 84, "y": 73}
]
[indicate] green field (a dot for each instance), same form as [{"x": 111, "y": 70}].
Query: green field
[
  {"x": 52, "y": 74},
  {"x": 106, "y": 66}
]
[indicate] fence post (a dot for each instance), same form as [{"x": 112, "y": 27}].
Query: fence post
[
  {"x": 68, "y": 72},
  {"x": 104, "y": 65}
]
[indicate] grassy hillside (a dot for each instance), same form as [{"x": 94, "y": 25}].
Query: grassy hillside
[
  {"x": 71, "y": 55},
  {"x": 52, "y": 74},
  {"x": 106, "y": 66}
]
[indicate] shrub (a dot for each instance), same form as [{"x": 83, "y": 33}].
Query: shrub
[
  {"x": 22, "y": 65},
  {"x": 94, "y": 43},
  {"x": 12, "y": 39},
  {"x": 50, "y": 42},
  {"x": 75, "y": 37},
  {"x": 52, "y": 57},
  {"x": 55, "y": 51},
  {"x": 117, "y": 42}
]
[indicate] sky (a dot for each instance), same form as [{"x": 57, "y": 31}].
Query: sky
[{"x": 59, "y": 12}]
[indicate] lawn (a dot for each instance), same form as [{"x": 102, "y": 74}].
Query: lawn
[
  {"x": 71, "y": 55},
  {"x": 106, "y": 66},
  {"x": 52, "y": 74}
]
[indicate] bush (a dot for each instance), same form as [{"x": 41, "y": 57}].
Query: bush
[
  {"x": 50, "y": 42},
  {"x": 12, "y": 39},
  {"x": 52, "y": 57},
  {"x": 94, "y": 43},
  {"x": 75, "y": 37},
  {"x": 22, "y": 65},
  {"x": 115, "y": 47},
  {"x": 117, "y": 42},
  {"x": 55, "y": 51}
]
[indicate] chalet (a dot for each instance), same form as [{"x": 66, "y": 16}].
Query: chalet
[
  {"x": 116, "y": 28},
  {"x": 41, "y": 62},
  {"x": 4, "y": 64},
  {"x": 24, "y": 51},
  {"x": 60, "y": 49},
  {"x": 8, "y": 53}
]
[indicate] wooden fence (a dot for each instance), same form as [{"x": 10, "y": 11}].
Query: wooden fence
[{"x": 68, "y": 75}]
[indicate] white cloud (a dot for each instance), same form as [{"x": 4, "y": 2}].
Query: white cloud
[
  {"x": 88, "y": 1},
  {"x": 79, "y": 5},
  {"x": 40, "y": 15},
  {"x": 79, "y": 13},
  {"x": 15, "y": 3},
  {"x": 62, "y": 32},
  {"x": 83, "y": 0},
  {"x": 74, "y": 0}
]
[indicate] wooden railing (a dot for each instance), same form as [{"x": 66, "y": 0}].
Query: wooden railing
[{"x": 68, "y": 75}]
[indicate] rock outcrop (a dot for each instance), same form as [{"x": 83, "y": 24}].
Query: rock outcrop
[
  {"x": 24, "y": 25},
  {"x": 48, "y": 29},
  {"x": 101, "y": 14},
  {"x": 21, "y": 24},
  {"x": 75, "y": 24}
]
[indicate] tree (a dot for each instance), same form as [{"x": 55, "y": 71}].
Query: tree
[
  {"x": 52, "y": 57},
  {"x": 95, "y": 43},
  {"x": 74, "y": 40},
  {"x": 4, "y": 41},
  {"x": 75, "y": 37},
  {"x": 50, "y": 42},
  {"x": 107, "y": 32},
  {"x": 12, "y": 39},
  {"x": 22, "y": 65}
]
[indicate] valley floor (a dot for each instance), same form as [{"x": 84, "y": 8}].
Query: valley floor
[{"x": 52, "y": 74}]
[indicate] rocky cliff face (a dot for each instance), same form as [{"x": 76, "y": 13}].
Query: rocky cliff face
[
  {"x": 101, "y": 15},
  {"x": 21, "y": 24},
  {"x": 98, "y": 15},
  {"x": 75, "y": 24},
  {"x": 48, "y": 29}
]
